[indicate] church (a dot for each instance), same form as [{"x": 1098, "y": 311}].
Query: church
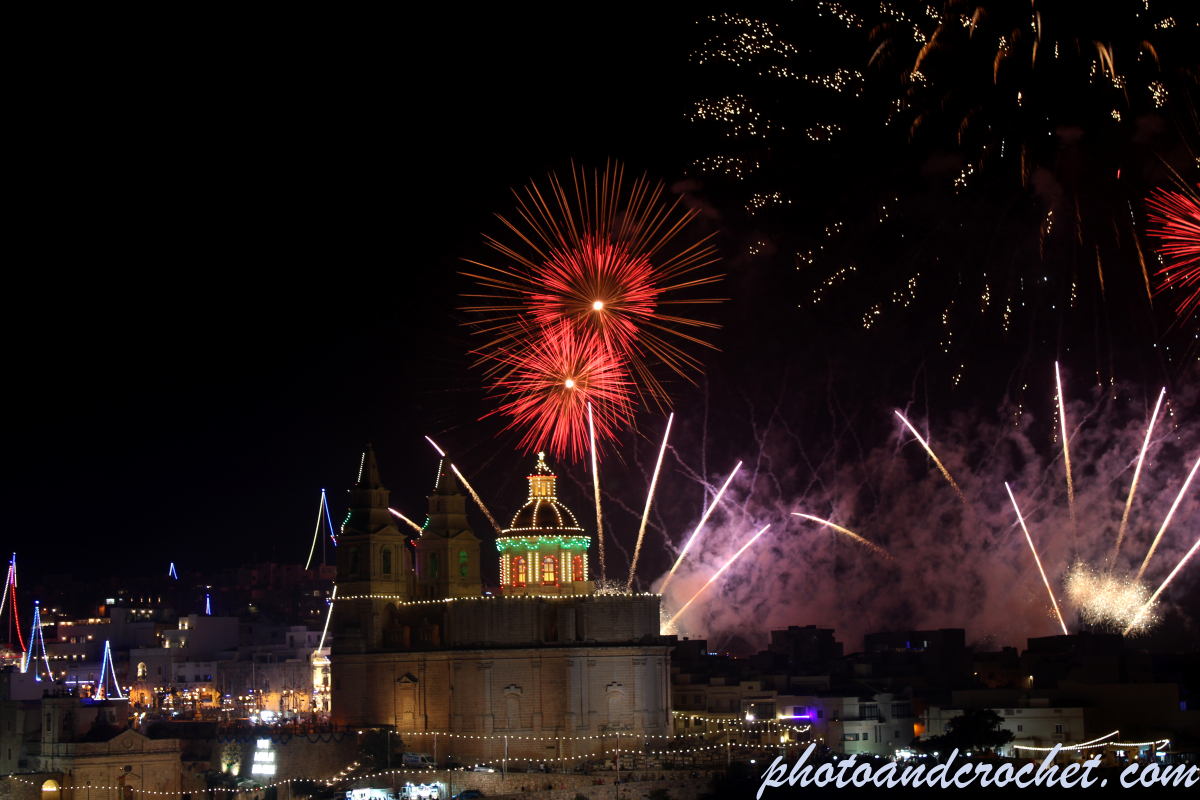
[{"x": 544, "y": 671}]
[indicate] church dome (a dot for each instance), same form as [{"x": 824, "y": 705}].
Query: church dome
[{"x": 542, "y": 513}]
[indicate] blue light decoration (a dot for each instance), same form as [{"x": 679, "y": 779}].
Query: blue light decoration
[
  {"x": 107, "y": 664},
  {"x": 171, "y": 572},
  {"x": 329, "y": 519},
  {"x": 36, "y": 633},
  {"x": 208, "y": 605}
]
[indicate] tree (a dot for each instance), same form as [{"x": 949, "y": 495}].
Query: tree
[{"x": 976, "y": 729}]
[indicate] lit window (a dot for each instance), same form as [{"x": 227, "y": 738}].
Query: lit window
[
  {"x": 519, "y": 571},
  {"x": 549, "y": 569},
  {"x": 462, "y": 563}
]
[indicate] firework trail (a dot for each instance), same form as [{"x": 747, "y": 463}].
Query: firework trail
[
  {"x": 1159, "y": 590},
  {"x": 478, "y": 501},
  {"x": 596, "y": 485},
  {"x": 1136, "y": 472},
  {"x": 412, "y": 524},
  {"x": 1167, "y": 521},
  {"x": 1032, "y": 549},
  {"x": 1179, "y": 216},
  {"x": 637, "y": 549},
  {"x": 703, "y": 519},
  {"x": 1062, "y": 418},
  {"x": 552, "y": 385},
  {"x": 714, "y": 577},
  {"x": 470, "y": 488},
  {"x": 871, "y": 545},
  {"x": 929, "y": 450}
]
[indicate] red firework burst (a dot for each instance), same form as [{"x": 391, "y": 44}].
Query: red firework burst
[
  {"x": 551, "y": 380},
  {"x": 1178, "y": 215},
  {"x": 600, "y": 288},
  {"x": 596, "y": 260}
]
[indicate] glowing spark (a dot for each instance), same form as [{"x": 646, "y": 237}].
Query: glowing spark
[
  {"x": 1167, "y": 521},
  {"x": 649, "y": 497},
  {"x": 478, "y": 502},
  {"x": 714, "y": 577},
  {"x": 414, "y": 525},
  {"x": 874, "y": 547},
  {"x": 1158, "y": 591},
  {"x": 1035, "y": 558},
  {"x": 596, "y": 306},
  {"x": 1062, "y": 418},
  {"x": 1104, "y": 599},
  {"x": 929, "y": 450},
  {"x": 596, "y": 484},
  {"x": 703, "y": 519},
  {"x": 1136, "y": 473},
  {"x": 570, "y": 384},
  {"x": 435, "y": 447}
]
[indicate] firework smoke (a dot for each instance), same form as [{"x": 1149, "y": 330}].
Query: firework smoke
[
  {"x": 936, "y": 460},
  {"x": 1033, "y": 549},
  {"x": 703, "y": 519},
  {"x": 949, "y": 569},
  {"x": 724, "y": 567},
  {"x": 1167, "y": 521}
]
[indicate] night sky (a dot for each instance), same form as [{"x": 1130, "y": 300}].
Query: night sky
[{"x": 240, "y": 265}]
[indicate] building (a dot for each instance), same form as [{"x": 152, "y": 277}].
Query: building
[{"x": 424, "y": 651}]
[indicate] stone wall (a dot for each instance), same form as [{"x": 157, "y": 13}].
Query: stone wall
[
  {"x": 312, "y": 757},
  {"x": 28, "y": 786},
  {"x": 680, "y": 784}
]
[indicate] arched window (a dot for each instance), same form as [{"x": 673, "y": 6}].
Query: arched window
[
  {"x": 353, "y": 560},
  {"x": 462, "y": 563},
  {"x": 577, "y": 568},
  {"x": 142, "y": 672},
  {"x": 387, "y": 561},
  {"x": 50, "y": 786},
  {"x": 433, "y": 565},
  {"x": 520, "y": 578},
  {"x": 549, "y": 569}
]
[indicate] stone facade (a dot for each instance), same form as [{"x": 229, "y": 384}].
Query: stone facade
[{"x": 458, "y": 673}]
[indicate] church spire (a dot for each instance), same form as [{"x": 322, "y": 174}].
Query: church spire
[{"x": 368, "y": 471}]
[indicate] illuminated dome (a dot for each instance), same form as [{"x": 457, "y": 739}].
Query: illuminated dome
[{"x": 542, "y": 513}]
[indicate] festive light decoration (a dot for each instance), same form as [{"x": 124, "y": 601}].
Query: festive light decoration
[
  {"x": 1033, "y": 549},
  {"x": 208, "y": 605},
  {"x": 317, "y": 530},
  {"x": 171, "y": 571},
  {"x": 36, "y": 638},
  {"x": 703, "y": 519},
  {"x": 1095, "y": 743},
  {"x": 10, "y": 594},
  {"x": 107, "y": 669},
  {"x": 328, "y": 518},
  {"x": 541, "y": 552},
  {"x": 329, "y": 616}
]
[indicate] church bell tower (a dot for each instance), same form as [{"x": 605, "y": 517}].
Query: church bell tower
[
  {"x": 447, "y": 550},
  {"x": 374, "y": 567}
]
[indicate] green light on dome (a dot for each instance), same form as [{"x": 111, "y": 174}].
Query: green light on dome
[{"x": 527, "y": 543}]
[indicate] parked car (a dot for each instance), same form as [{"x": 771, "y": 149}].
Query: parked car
[
  {"x": 467, "y": 794},
  {"x": 484, "y": 768}
]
